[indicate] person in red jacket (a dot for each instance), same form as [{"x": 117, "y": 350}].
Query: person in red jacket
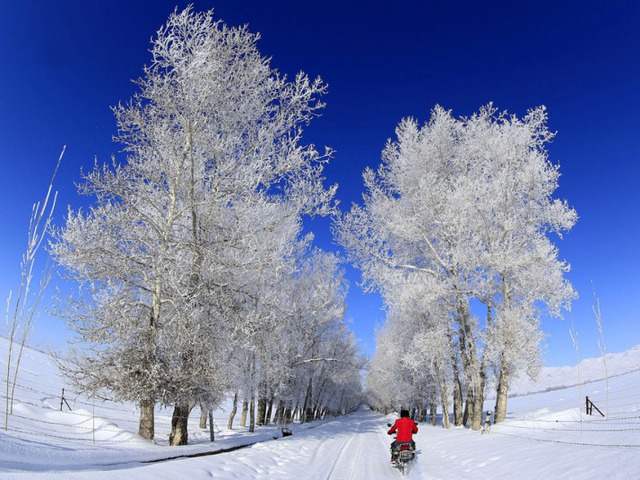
[{"x": 405, "y": 427}]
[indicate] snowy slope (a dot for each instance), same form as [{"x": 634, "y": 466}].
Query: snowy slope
[
  {"x": 545, "y": 437},
  {"x": 588, "y": 370}
]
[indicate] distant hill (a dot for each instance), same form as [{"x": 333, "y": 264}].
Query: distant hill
[{"x": 588, "y": 370}]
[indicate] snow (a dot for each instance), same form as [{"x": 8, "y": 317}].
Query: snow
[
  {"x": 546, "y": 436},
  {"x": 588, "y": 370}
]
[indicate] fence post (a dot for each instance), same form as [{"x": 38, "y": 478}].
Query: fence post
[
  {"x": 590, "y": 406},
  {"x": 64, "y": 401}
]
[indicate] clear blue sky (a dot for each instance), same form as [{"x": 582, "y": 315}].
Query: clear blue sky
[{"x": 64, "y": 63}]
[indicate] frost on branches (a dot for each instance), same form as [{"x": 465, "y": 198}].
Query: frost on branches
[
  {"x": 456, "y": 232},
  {"x": 188, "y": 256}
]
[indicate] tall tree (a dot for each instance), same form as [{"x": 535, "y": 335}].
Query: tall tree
[
  {"x": 463, "y": 209},
  {"x": 212, "y": 142}
]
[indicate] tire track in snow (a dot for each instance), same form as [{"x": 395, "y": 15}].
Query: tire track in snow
[
  {"x": 339, "y": 456},
  {"x": 353, "y": 461},
  {"x": 353, "y": 464},
  {"x": 345, "y": 459}
]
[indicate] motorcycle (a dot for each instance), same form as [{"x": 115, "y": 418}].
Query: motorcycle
[{"x": 402, "y": 454}]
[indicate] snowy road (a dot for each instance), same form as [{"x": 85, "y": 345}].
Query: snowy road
[{"x": 336, "y": 450}]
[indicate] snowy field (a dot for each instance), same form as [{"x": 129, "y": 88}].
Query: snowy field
[{"x": 546, "y": 436}]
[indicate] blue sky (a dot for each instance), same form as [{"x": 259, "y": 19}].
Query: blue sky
[{"x": 64, "y": 63}]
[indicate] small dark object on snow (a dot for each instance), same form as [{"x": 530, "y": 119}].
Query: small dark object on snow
[{"x": 286, "y": 432}]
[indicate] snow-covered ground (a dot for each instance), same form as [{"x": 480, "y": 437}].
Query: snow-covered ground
[{"x": 546, "y": 436}]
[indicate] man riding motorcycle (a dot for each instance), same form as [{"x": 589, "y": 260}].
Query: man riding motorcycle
[{"x": 405, "y": 427}]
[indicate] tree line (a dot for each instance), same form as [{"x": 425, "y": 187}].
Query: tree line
[
  {"x": 455, "y": 231},
  {"x": 196, "y": 280},
  {"x": 194, "y": 276}
]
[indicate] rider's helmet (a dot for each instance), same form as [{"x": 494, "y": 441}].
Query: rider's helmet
[{"x": 404, "y": 412}]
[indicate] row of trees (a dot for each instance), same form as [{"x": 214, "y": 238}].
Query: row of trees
[
  {"x": 455, "y": 231},
  {"x": 195, "y": 279}
]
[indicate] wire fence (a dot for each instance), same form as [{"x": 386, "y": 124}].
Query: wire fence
[
  {"x": 566, "y": 442},
  {"x": 39, "y": 411},
  {"x": 43, "y": 409},
  {"x": 615, "y": 429}
]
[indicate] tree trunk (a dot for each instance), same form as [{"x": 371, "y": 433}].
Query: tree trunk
[
  {"x": 179, "y": 421},
  {"x": 474, "y": 418},
  {"x": 465, "y": 413},
  {"x": 252, "y": 414},
  {"x": 480, "y": 382},
  {"x": 433, "y": 413},
  {"x": 243, "y": 415},
  {"x": 307, "y": 413},
  {"x": 422, "y": 412},
  {"x": 478, "y": 406},
  {"x": 288, "y": 415},
  {"x": 446, "y": 422},
  {"x": 458, "y": 417},
  {"x": 204, "y": 411},
  {"x": 500, "y": 412},
  {"x": 232, "y": 414},
  {"x": 317, "y": 410},
  {"x": 146, "y": 427},
  {"x": 262, "y": 403},
  {"x": 262, "y": 407},
  {"x": 267, "y": 417},
  {"x": 474, "y": 384},
  {"x": 279, "y": 417},
  {"x": 444, "y": 401}
]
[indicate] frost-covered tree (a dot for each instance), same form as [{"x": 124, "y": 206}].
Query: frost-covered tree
[
  {"x": 167, "y": 256},
  {"x": 318, "y": 345},
  {"x": 460, "y": 212},
  {"x": 517, "y": 213},
  {"x": 389, "y": 385},
  {"x": 293, "y": 352}
]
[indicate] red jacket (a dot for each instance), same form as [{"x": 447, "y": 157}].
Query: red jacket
[{"x": 405, "y": 427}]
